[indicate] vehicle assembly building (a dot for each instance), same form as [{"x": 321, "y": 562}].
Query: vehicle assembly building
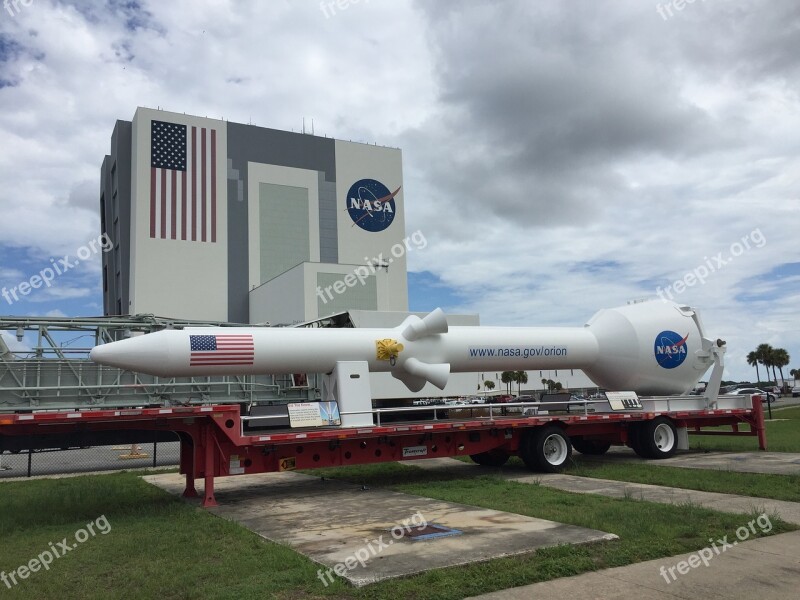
[{"x": 223, "y": 221}]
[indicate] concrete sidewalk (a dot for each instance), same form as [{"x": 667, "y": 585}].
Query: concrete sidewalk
[
  {"x": 775, "y": 463},
  {"x": 766, "y": 568},
  {"x": 732, "y": 503}
]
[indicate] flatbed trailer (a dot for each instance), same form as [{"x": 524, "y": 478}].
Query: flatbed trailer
[{"x": 218, "y": 441}]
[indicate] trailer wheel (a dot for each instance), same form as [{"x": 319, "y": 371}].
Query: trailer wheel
[
  {"x": 491, "y": 458},
  {"x": 590, "y": 447},
  {"x": 658, "y": 438},
  {"x": 546, "y": 449}
]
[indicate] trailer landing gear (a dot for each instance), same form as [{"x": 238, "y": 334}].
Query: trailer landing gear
[
  {"x": 491, "y": 458},
  {"x": 590, "y": 447}
]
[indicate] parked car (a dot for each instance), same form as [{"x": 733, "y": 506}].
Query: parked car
[
  {"x": 501, "y": 399},
  {"x": 745, "y": 391},
  {"x": 796, "y": 391}
]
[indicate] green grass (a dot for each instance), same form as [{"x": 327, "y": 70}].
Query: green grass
[
  {"x": 158, "y": 546},
  {"x": 783, "y": 435},
  {"x": 161, "y": 547}
]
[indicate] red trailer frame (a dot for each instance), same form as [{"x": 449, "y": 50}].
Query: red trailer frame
[{"x": 214, "y": 444}]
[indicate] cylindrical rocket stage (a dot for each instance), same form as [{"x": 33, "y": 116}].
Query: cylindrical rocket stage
[{"x": 651, "y": 347}]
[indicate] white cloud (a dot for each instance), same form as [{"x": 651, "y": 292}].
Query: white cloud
[{"x": 559, "y": 157}]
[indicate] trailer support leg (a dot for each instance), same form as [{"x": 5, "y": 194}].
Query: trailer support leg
[
  {"x": 208, "y": 467},
  {"x": 187, "y": 465},
  {"x": 761, "y": 430}
]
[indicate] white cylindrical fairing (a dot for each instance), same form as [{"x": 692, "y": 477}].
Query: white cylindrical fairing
[{"x": 651, "y": 347}]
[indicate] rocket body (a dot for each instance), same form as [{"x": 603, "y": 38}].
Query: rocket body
[{"x": 653, "y": 348}]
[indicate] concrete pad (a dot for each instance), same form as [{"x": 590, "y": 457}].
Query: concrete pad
[
  {"x": 775, "y": 463},
  {"x": 332, "y": 522},
  {"x": 765, "y": 568}
]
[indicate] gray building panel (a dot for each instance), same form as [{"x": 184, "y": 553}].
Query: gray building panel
[
  {"x": 109, "y": 264},
  {"x": 115, "y": 217},
  {"x": 328, "y": 229},
  {"x": 247, "y": 143}
]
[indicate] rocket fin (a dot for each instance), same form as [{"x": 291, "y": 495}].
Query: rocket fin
[
  {"x": 433, "y": 323},
  {"x": 412, "y": 382},
  {"x": 436, "y": 374}
]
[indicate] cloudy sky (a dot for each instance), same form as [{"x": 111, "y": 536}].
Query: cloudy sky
[{"x": 559, "y": 157}]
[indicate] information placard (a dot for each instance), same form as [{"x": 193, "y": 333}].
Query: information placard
[{"x": 314, "y": 414}]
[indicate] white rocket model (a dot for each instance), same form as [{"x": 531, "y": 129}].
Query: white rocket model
[{"x": 651, "y": 347}]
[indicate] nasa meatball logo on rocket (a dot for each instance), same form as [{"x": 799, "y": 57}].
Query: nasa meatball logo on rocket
[
  {"x": 670, "y": 349},
  {"x": 371, "y": 205}
]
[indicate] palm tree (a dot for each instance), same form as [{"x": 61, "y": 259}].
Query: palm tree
[
  {"x": 773, "y": 359},
  {"x": 764, "y": 352},
  {"x": 781, "y": 359},
  {"x": 507, "y": 377},
  {"x": 488, "y": 384},
  {"x": 795, "y": 373},
  {"x": 752, "y": 360},
  {"x": 520, "y": 377}
]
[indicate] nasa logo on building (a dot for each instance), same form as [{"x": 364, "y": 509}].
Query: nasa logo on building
[
  {"x": 670, "y": 349},
  {"x": 371, "y": 205}
]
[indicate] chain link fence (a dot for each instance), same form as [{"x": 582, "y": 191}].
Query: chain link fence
[{"x": 91, "y": 459}]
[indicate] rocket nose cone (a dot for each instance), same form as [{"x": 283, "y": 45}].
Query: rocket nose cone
[
  {"x": 108, "y": 355},
  {"x": 102, "y": 355},
  {"x": 144, "y": 354}
]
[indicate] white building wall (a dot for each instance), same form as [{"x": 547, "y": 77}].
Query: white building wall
[
  {"x": 165, "y": 272},
  {"x": 280, "y": 301},
  {"x": 359, "y": 247}
]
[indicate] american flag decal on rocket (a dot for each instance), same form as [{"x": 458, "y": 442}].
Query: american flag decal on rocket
[{"x": 219, "y": 350}]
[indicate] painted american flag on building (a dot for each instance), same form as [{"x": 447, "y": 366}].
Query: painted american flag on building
[
  {"x": 183, "y": 182},
  {"x": 224, "y": 349}
]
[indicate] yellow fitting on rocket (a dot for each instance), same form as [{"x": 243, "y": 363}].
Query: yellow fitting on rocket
[{"x": 387, "y": 349}]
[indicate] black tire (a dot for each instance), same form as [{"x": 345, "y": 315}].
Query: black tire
[
  {"x": 546, "y": 449},
  {"x": 590, "y": 447},
  {"x": 635, "y": 437},
  {"x": 491, "y": 458},
  {"x": 525, "y": 453},
  {"x": 658, "y": 438}
]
